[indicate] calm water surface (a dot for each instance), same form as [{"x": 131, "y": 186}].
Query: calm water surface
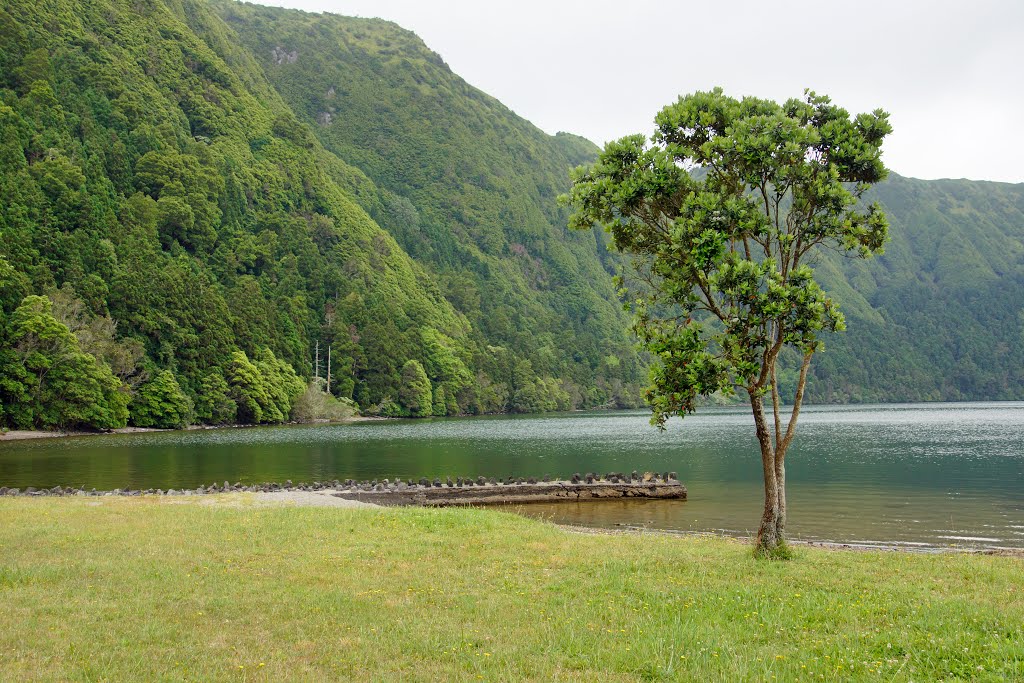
[{"x": 923, "y": 474}]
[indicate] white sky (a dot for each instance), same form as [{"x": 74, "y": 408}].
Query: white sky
[{"x": 951, "y": 74}]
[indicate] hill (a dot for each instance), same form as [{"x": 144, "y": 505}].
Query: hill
[
  {"x": 160, "y": 190},
  {"x": 940, "y": 316},
  {"x": 466, "y": 187},
  {"x": 205, "y": 193}
]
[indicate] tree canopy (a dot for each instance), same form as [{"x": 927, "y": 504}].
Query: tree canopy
[{"x": 723, "y": 209}]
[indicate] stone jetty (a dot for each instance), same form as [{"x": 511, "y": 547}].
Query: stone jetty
[
  {"x": 481, "y": 491},
  {"x": 431, "y": 492}
]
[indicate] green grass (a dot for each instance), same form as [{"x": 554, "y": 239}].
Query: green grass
[{"x": 150, "y": 589}]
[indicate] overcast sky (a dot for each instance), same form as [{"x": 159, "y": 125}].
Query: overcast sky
[{"x": 949, "y": 73}]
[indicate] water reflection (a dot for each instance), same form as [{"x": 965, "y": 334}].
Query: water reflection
[{"x": 932, "y": 473}]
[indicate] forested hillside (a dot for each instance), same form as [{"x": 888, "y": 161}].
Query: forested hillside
[
  {"x": 940, "y": 316},
  {"x": 195, "y": 195},
  {"x": 466, "y": 187},
  {"x": 187, "y": 226}
]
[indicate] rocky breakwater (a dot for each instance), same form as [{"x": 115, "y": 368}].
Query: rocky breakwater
[
  {"x": 429, "y": 492},
  {"x": 491, "y": 491}
]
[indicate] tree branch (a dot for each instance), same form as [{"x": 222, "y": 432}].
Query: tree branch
[
  {"x": 775, "y": 409},
  {"x": 797, "y": 402}
]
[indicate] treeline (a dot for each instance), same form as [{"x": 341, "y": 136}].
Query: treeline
[{"x": 60, "y": 368}]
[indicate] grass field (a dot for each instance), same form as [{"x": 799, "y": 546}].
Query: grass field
[{"x": 154, "y": 589}]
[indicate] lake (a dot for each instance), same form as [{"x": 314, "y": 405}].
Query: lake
[{"x": 915, "y": 474}]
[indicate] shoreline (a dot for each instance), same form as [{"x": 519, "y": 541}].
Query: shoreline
[
  {"x": 28, "y": 434},
  {"x": 306, "y": 497},
  {"x": 833, "y": 546}
]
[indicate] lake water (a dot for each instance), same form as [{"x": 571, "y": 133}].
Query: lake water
[{"x": 922, "y": 474}]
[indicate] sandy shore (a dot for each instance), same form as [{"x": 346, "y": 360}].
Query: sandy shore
[
  {"x": 292, "y": 498},
  {"x": 307, "y": 499}
]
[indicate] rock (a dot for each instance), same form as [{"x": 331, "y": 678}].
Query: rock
[
  {"x": 288, "y": 484},
  {"x": 492, "y": 481},
  {"x": 437, "y": 483},
  {"x": 282, "y": 55},
  {"x": 13, "y": 492},
  {"x": 590, "y": 477},
  {"x": 458, "y": 482},
  {"x": 575, "y": 478},
  {"x": 30, "y": 489},
  {"x": 424, "y": 482},
  {"x": 448, "y": 482},
  {"x": 665, "y": 477},
  {"x": 3, "y": 490},
  {"x": 480, "y": 481},
  {"x": 531, "y": 480}
]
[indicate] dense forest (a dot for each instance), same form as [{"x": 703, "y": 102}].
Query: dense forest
[
  {"x": 195, "y": 196},
  {"x": 170, "y": 226}
]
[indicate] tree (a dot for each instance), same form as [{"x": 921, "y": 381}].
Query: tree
[
  {"x": 722, "y": 210},
  {"x": 161, "y": 403},
  {"x": 214, "y": 404},
  {"x": 47, "y": 381},
  {"x": 249, "y": 391},
  {"x": 415, "y": 394}
]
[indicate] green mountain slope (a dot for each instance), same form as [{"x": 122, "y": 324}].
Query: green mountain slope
[
  {"x": 177, "y": 195},
  {"x": 941, "y": 315},
  {"x": 465, "y": 185}
]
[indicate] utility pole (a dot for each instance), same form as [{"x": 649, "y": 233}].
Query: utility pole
[
  {"x": 316, "y": 361},
  {"x": 328, "y": 368}
]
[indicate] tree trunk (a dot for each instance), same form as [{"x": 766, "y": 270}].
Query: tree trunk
[
  {"x": 771, "y": 535},
  {"x": 780, "y": 482}
]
